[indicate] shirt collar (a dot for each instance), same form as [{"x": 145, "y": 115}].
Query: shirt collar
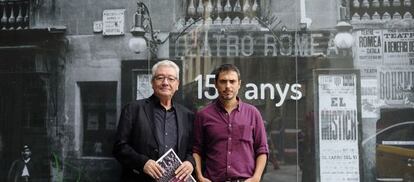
[
  {"x": 26, "y": 160},
  {"x": 156, "y": 101},
  {"x": 220, "y": 105}
]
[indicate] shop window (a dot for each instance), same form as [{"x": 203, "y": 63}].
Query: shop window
[{"x": 98, "y": 116}]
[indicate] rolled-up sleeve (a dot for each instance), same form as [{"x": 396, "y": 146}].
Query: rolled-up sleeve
[{"x": 260, "y": 139}]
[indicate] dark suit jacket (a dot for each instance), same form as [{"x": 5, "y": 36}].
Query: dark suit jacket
[
  {"x": 136, "y": 141},
  {"x": 16, "y": 170}
]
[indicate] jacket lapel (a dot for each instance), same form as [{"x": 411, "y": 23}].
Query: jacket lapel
[
  {"x": 149, "y": 112},
  {"x": 180, "y": 128}
]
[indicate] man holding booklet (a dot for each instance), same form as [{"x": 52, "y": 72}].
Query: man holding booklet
[{"x": 148, "y": 128}]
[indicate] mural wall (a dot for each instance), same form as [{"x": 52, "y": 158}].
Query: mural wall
[{"x": 66, "y": 71}]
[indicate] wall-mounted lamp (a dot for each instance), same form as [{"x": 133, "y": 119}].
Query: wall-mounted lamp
[
  {"x": 138, "y": 43},
  {"x": 344, "y": 39},
  {"x": 143, "y": 33}
]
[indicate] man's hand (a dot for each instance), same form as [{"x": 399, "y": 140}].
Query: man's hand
[
  {"x": 184, "y": 170},
  {"x": 203, "y": 179},
  {"x": 252, "y": 179},
  {"x": 153, "y": 169}
]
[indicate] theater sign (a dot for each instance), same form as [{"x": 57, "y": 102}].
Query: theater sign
[{"x": 221, "y": 43}]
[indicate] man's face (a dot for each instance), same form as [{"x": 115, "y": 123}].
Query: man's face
[
  {"x": 26, "y": 153},
  {"x": 165, "y": 82},
  {"x": 228, "y": 85}
]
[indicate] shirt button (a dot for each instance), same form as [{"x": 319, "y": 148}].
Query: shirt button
[
  {"x": 166, "y": 133},
  {"x": 230, "y": 138},
  {"x": 166, "y": 146},
  {"x": 228, "y": 166},
  {"x": 229, "y": 152}
]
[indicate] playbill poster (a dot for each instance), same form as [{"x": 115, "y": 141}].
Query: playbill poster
[
  {"x": 170, "y": 162},
  {"x": 338, "y": 128},
  {"x": 143, "y": 86}
]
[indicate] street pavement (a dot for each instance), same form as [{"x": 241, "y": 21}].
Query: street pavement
[{"x": 286, "y": 173}]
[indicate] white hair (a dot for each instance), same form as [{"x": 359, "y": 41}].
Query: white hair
[{"x": 166, "y": 63}]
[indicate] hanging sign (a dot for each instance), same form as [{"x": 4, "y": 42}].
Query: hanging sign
[{"x": 249, "y": 44}]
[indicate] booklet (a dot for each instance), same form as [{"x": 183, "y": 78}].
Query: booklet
[{"x": 170, "y": 162}]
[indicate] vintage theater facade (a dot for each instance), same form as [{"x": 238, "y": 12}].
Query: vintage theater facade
[
  {"x": 279, "y": 63},
  {"x": 277, "y": 77}
]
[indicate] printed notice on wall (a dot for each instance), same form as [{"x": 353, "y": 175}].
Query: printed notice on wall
[
  {"x": 143, "y": 86},
  {"x": 113, "y": 21},
  {"x": 398, "y": 47},
  {"x": 396, "y": 85},
  {"x": 338, "y": 127},
  {"x": 370, "y": 103},
  {"x": 386, "y": 61},
  {"x": 368, "y": 47}
]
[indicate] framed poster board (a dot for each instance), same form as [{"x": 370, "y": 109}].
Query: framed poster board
[{"x": 338, "y": 125}]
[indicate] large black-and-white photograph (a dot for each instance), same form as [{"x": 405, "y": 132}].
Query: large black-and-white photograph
[{"x": 68, "y": 68}]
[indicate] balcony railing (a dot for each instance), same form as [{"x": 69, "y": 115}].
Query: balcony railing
[
  {"x": 14, "y": 14},
  {"x": 222, "y": 12},
  {"x": 383, "y": 10}
]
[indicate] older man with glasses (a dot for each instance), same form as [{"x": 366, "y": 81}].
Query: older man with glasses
[{"x": 149, "y": 127}]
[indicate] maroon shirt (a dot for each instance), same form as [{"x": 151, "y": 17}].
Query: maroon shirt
[{"x": 229, "y": 143}]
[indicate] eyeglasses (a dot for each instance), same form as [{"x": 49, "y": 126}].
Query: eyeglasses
[{"x": 160, "y": 78}]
